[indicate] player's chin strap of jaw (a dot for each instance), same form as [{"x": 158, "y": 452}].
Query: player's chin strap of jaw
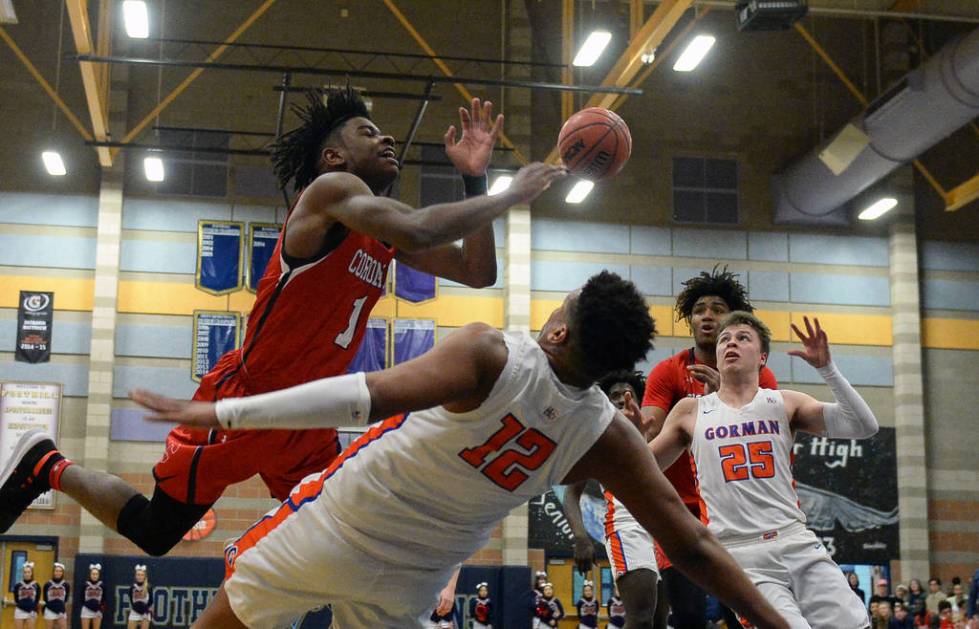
[
  {"x": 326, "y": 403},
  {"x": 850, "y": 417}
]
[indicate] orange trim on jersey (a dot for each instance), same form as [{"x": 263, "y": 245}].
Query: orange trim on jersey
[
  {"x": 609, "y": 513},
  {"x": 304, "y": 493},
  {"x": 704, "y": 518},
  {"x": 619, "y": 564}
]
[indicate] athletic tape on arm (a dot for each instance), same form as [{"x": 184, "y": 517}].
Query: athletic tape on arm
[
  {"x": 326, "y": 403},
  {"x": 850, "y": 417}
]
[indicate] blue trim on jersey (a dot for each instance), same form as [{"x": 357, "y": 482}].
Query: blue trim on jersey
[{"x": 625, "y": 563}]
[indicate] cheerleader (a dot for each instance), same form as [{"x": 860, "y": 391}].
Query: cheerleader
[
  {"x": 57, "y": 593},
  {"x": 27, "y": 595},
  {"x": 141, "y": 598},
  {"x": 480, "y": 608},
  {"x": 446, "y": 621},
  {"x": 91, "y": 613},
  {"x": 616, "y": 610},
  {"x": 549, "y": 609},
  {"x": 587, "y": 607},
  {"x": 540, "y": 578}
]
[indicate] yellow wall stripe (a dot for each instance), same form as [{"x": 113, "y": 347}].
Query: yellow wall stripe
[
  {"x": 950, "y": 333},
  {"x": 70, "y": 293}
]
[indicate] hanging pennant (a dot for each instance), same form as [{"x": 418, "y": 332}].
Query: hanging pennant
[
  {"x": 219, "y": 256},
  {"x": 372, "y": 355},
  {"x": 414, "y": 285},
  {"x": 412, "y": 338},
  {"x": 35, "y": 313},
  {"x": 262, "y": 238},
  {"x": 215, "y": 334}
]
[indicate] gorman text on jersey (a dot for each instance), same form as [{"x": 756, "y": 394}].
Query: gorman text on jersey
[{"x": 744, "y": 429}]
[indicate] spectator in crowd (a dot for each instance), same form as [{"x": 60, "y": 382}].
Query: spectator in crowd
[
  {"x": 943, "y": 619},
  {"x": 27, "y": 596},
  {"x": 481, "y": 607},
  {"x": 57, "y": 595},
  {"x": 140, "y": 600},
  {"x": 916, "y": 598},
  {"x": 854, "y": 580},
  {"x": 935, "y": 595},
  {"x": 94, "y": 601},
  {"x": 882, "y": 619},
  {"x": 587, "y": 607},
  {"x": 902, "y": 619},
  {"x": 972, "y": 608},
  {"x": 901, "y": 593},
  {"x": 958, "y": 599},
  {"x": 549, "y": 609},
  {"x": 540, "y": 578},
  {"x": 882, "y": 594}
]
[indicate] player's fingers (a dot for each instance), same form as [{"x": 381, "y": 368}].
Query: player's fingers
[
  {"x": 464, "y": 120},
  {"x": 819, "y": 329},
  {"x": 450, "y": 136},
  {"x": 497, "y": 127},
  {"x": 808, "y": 323},
  {"x": 486, "y": 115},
  {"x": 796, "y": 353},
  {"x": 798, "y": 332},
  {"x": 475, "y": 109}
]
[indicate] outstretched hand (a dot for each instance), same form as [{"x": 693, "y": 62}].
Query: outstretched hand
[
  {"x": 187, "y": 412},
  {"x": 472, "y": 153},
  {"x": 815, "y": 345}
]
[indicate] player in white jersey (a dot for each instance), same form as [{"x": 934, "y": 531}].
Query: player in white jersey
[
  {"x": 741, "y": 440},
  {"x": 495, "y": 419}
]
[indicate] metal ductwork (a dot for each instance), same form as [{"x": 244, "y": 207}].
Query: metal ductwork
[{"x": 924, "y": 107}]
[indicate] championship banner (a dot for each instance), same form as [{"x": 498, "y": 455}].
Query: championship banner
[
  {"x": 848, "y": 489},
  {"x": 412, "y": 338},
  {"x": 34, "y": 316},
  {"x": 549, "y": 528},
  {"x": 219, "y": 255},
  {"x": 25, "y": 406},
  {"x": 261, "y": 245},
  {"x": 373, "y": 351},
  {"x": 413, "y": 285},
  {"x": 215, "y": 334}
]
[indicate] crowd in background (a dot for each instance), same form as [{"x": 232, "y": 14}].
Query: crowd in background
[{"x": 912, "y": 607}]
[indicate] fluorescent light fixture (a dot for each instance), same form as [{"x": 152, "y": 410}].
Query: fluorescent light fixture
[
  {"x": 154, "y": 169},
  {"x": 136, "y": 18},
  {"x": 694, "y": 53},
  {"x": 54, "y": 164},
  {"x": 7, "y": 13},
  {"x": 502, "y": 183},
  {"x": 878, "y": 209},
  {"x": 579, "y": 191},
  {"x": 592, "y": 49}
]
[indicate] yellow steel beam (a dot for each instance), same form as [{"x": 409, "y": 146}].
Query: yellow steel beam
[
  {"x": 905, "y": 6},
  {"x": 649, "y": 36},
  {"x": 567, "y": 50},
  {"x": 446, "y": 71},
  {"x": 635, "y": 17},
  {"x": 177, "y": 91},
  {"x": 103, "y": 47},
  {"x": 44, "y": 84},
  {"x": 962, "y": 194},
  {"x": 98, "y": 112}
]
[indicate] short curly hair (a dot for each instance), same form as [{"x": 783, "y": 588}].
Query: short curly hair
[
  {"x": 742, "y": 317},
  {"x": 610, "y": 325},
  {"x": 722, "y": 283},
  {"x": 634, "y": 379}
]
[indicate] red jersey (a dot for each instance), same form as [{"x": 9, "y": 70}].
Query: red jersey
[{"x": 668, "y": 383}]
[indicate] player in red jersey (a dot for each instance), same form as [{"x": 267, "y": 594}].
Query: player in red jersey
[
  {"x": 704, "y": 301},
  {"x": 313, "y": 303}
]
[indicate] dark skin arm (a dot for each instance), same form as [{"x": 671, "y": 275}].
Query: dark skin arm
[
  {"x": 620, "y": 460},
  {"x": 584, "y": 549}
]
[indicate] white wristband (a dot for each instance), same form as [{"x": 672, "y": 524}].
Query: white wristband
[{"x": 326, "y": 403}]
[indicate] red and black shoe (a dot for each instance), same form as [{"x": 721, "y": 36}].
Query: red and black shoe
[{"x": 25, "y": 475}]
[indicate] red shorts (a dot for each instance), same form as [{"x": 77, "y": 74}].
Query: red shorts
[{"x": 198, "y": 464}]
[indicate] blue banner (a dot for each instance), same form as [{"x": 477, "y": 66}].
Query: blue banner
[
  {"x": 215, "y": 333},
  {"x": 413, "y": 285},
  {"x": 412, "y": 338},
  {"x": 219, "y": 253},
  {"x": 373, "y": 352},
  {"x": 261, "y": 244}
]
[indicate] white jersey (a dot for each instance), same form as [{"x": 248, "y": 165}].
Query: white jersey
[
  {"x": 434, "y": 485},
  {"x": 743, "y": 465}
]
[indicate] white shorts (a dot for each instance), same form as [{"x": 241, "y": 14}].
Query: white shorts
[
  {"x": 479, "y": 625},
  {"x": 88, "y": 613},
  {"x": 796, "y": 575},
  {"x": 295, "y": 560},
  {"x": 20, "y": 614},
  {"x": 136, "y": 617},
  {"x": 50, "y": 615},
  {"x": 630, "y": 548}
]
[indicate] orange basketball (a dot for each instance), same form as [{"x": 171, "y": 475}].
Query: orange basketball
[
  {"x": 595, "y": 143},
  {"x": 203, "y": 528}
]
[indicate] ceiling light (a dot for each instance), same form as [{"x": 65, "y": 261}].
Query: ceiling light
[
  {"x": 7, "y": 13},
  {"x": 878, "y": 209},
  {"x": 579, "y": 191},
  {"x": 136, "y": 18},
  {"x": 154, "y": 169},
  {"x": 694, "y": 53},
  {"x": 502, "y": 183},
  {"x": 54, "y": 164},
  {"x": 592, "y": 49}
]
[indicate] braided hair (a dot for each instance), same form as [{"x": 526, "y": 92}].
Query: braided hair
[{"x": 296, "y": 155}]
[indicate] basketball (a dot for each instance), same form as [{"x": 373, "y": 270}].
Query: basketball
[{"x": 595, "y": 143}]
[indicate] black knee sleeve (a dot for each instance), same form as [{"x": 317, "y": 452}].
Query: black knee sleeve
[{"x": 157, "y": 525}]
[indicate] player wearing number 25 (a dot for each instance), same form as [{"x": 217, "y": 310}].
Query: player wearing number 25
[
  {"x": 493, "y": 419},
  {"x": 741, "y": 441},
  {"x": 327, "y": 272}
]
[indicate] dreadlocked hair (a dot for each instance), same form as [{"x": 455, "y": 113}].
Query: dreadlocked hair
[
  {"x": 296, "y": 154},
  {"x": 721, "y": 283},
  {"x": 634, "y": 379},
  {"x": 610, "y": 324}
]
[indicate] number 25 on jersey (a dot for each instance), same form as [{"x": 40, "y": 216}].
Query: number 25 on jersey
[
  {"x": 508, "y": 466},
  {"x": 741, "y": 461}
]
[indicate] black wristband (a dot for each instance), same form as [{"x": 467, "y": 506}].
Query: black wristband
[{"x": 475, "y": 186}]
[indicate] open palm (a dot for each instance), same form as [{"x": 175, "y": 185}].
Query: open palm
[
  {"x": 815, "y": 344},
  {"x": 472, "y": 153}
]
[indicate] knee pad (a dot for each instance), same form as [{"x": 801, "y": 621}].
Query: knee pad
[{"x": 157, "y": 525}]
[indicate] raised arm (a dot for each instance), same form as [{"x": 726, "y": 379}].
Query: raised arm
[
  {"x": 621, "y": 461},
  {"x": 676, "y": 435},
  {"x": 476, "y": 352}
]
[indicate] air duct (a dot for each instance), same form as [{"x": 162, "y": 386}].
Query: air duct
[{"x": 924, "y": 107}]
